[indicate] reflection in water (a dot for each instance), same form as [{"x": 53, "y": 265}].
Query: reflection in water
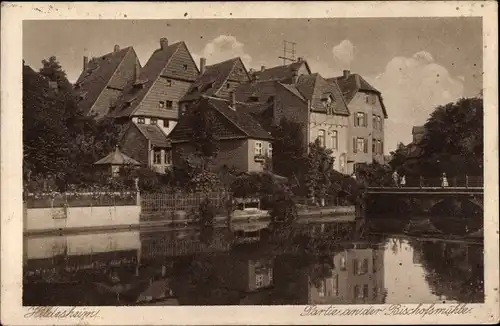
[{"x": 189, "y": 267}]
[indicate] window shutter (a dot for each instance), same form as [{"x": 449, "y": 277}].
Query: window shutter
[
  {"x": 354, "y": 149},
  {"x": 365, "y": 143}
]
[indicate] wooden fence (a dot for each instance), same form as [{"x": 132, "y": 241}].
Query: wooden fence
[{"x": 165, "y": 203}]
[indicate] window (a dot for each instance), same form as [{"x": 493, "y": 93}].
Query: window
[
  {"x": 361, "y": 145},
  {"x": 342, "y": 262},
  {"x": 360, "y": 119},
  {"x": 167, "y": 104},
  {"x": 259, "y": 280},
  {"x": 379, "y": 123},
  {"x": 168, "y": 82},
  {"x": 165, "y": 123},
  {"x": 374, "y": 145},
  {"x": 228, "y": 86},
  {"x": 153, "y": 121},
  {"x": 367, "y": 98},
  {"x": 168, "y": 157},
  {"x": 157, "y": 157},
  {"x": 374, "y": 121},
  {"x": 373, "y": 99},
  {"x": 364, "y": 266},
  {"x": 355, "y": 267},
  {"x": 335, "y": 141},
  {"x": 161, "y": 104},
  {"x": 270, "y": 275},
  {"x": 357, "y": 292},
  {"x": 365, "y": 291},
  {"x": 270, "y": 150},
  {"x": 321, "y": 137},
  {"x": 322, "y": 288},
  {"x": 185, "y": 67},
  {"x": 381, "y": 147},
  {"x": 258, "y": 148},
  {"x": 141, "y": 120}
]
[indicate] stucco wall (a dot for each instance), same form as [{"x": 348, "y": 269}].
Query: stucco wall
[
  {"x": 330, "y": 123},
  {"x": 80, "y": 217},
  {"x": 359, "y": 104}
]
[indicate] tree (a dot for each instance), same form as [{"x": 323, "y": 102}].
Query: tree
[
  {"x": 289, "y": 148},
  {"x": 319, "y": 163},
  {"x": 203, "y": 139}
]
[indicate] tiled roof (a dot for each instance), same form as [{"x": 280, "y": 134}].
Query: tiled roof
[
  {"x": 230, "y": 124},
  {"x": 281, "y": 73},
  {"x": 261, "y": 91},
  {"x": 94, "y": 80},
  {"x": 352, "y": 84},
  {"x": 154, "y": 134},
  {"x": 211, "y": 81},
  {"x": 314, "y": 88},
  {"x": 240, "y": 119},
  {"x": 135, "y": 92},
  {"x": 117, "y": 158}
]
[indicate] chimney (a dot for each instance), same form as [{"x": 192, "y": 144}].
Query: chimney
[
  {"x": 164, "y": 43},
  {"x": 116, "y": 48},
  {"x": 233, "y": 100},
  {"x": 347, "y": 73},
  {"x": 137, "y": 71},
  {"x": 295, "y": 76},
  {"x": 262, "y": 68},
  {"x": 203, "y": 63},
  {"x": 85, "y": 63}
]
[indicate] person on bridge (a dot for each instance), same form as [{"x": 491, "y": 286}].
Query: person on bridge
[
  {"x": 395, "y": 177},
  {"x": 403, "y": 181},
  {"x": 444, "y": 180}
]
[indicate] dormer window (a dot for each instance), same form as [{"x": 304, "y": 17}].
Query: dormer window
[
  {"x": 228, "y": 86},
  {"x": 185, "y": 67},
  {"x": 169, "y": 82}
]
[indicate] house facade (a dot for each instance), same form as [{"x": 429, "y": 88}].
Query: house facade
[
  {"x": 309, "y": 99},
  {"x": 104, "y": 79},
  {"x": 153, "y": 98},
  {"x": 219, "y": 80},
  {"x": 148, "y": 145},
  {"x": 366, "y": 122},
  {"x": 243, "y": 142}
]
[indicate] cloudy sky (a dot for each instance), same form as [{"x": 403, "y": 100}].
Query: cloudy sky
[{"x": 417, "y": 63}]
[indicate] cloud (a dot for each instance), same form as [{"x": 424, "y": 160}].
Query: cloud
[
  {"x": 222, "y": 48},
  {"x": 343, "y": 53},
  {"x": 412, "y": 87}
]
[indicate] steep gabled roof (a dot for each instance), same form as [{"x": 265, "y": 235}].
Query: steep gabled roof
[
  {"x": 135, "y": 92},
  {"x": 242, "y": 124},
  {"x": 211, "y": 81},
  {"x": 96, "y": 77},
  {"x": 354, "y": 83},
  {"x": 314, "y": 88},
  {"x": 154, "y": 134},
  {"x": 260, "y": 91},
  {"x": 281, "y": 73},
  {"x": 117, "y": 158}
]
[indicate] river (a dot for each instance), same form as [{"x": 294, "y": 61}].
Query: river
[{"x": 185, "y": 266}]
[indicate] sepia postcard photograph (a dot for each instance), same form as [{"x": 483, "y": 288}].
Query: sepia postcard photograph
[{"x": 249, "y": 163}]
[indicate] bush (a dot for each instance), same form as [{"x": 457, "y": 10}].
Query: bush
[{"x": 284, "y": 211}]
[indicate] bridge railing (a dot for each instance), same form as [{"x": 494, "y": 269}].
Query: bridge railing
[{"x": 457, "y": 181}]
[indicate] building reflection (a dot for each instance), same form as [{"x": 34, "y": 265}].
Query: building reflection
[{"x": 352, "y": 274}]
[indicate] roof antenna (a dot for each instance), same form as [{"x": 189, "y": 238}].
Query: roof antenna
[{"x": 288, "y": 52}]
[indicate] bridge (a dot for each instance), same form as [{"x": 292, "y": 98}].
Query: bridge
[{"x": 422, "y": 195}]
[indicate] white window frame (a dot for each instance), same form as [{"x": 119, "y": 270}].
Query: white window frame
[
  {"x": 161, "y": 104},
  {"x": 270, "y": 149},
  {"x": 167, "y": 156},
  {"x": 360, "y": 142},
  {"x": 322, "y": 137},
  {"x": 335, "y": 140},
  {"x": 155, "y": 153},
  {"x": 153, "y": 121},
  {"x": 141, "y": 120},
  {"x": 258, "y": 148}
]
